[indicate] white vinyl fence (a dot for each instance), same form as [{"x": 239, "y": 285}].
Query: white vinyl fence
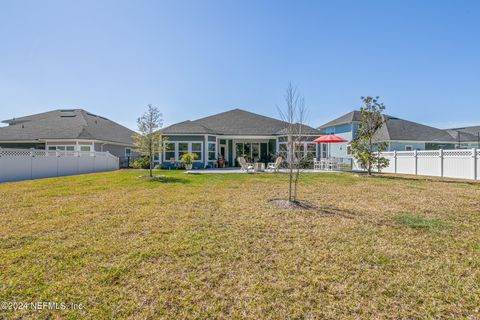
[
  {"x": 459, "y": 163},
  {"x": 24, "y": 164}
]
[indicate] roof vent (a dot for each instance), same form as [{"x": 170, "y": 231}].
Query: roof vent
[
  {"x": 68, "y": 116},
  {"x": 67, "y": 110}
]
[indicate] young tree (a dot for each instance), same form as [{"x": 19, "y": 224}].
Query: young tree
[
  {"x": 294, "y": 115},
  {"x": 149, "y": 140},
  {"x": 364, "y": 147}
]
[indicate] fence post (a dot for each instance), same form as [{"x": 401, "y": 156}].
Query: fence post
[
  {"x": 395, "y": 161},
  {"x": 475, "y": 169},
  {"x": 441, "y": 163},
  {"x": 32, "y": 155},
  {"x": 416, "y": 161}
]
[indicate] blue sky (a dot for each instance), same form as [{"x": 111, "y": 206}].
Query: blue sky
[{"x": 196, "y": 58}]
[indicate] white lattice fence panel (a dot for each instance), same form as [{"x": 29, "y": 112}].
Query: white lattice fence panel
[
  {"x": 21, "y": 164},
  {"x": 14, "y": 168},
  {"x": 101, "y": 164},
  {"x": 458, "y": 164},
  {"x": 429, "y": 163},
  {"x": 391, "y": 165},
  {"x": 44, "y": 167},
  {"x": 406, "y": 162}
]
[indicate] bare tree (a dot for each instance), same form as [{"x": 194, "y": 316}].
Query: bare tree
[
  {"x": 149, "y": 141},
  {"x": 294, "y": 115}
]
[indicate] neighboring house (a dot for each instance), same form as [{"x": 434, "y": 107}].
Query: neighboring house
[
  {"x": 232, "y": 134},
  {"x": 67, "y": 130},
  {"x": 399, "y": 134},
  {"x": 466, "y": 137}
]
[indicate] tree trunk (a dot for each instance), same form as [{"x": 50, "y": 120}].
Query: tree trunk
[
  {"x": 290, "y": 178},
  {"x": 151, "y": 163}
]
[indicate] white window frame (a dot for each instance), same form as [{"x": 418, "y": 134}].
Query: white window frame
[
  {"x": 128, "y": 154},
  {"x": 208, "y": 151},
  {"x": 304, "y": 148},
  {"x": 57, "y": 146},
  {"x": 176, "y": 151},
  {"x": 408, "y": 146},
  {"x": 85, "y": 145}
]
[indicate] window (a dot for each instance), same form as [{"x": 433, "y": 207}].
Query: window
[
  {"x": 61, "y": 148},
  {"x": 255, "y": 152},
  {"x": 86, "y": 148},
  {"x": 128, "y": 152},
  {"x": 212, "y": 151},
  {"x": 169, "y": 151},
  {"x": 182, "y": 149},
  {"x": 349, "y": 149},
  {"x": 310, "y": 151},
  {"x": 282, "y": 150},
  {"x": 175, "y": 150},
  {"x": 197, "y": 149},
  {"x": 408, "y": 148}
]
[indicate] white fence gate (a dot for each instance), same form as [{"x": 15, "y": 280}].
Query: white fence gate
[
  {"x": 24, "y": 164},
  {"x": 459, "y": 163}
]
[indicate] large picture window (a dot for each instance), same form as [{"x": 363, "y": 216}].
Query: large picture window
[
  {"x": 182, "y": 149},
  {"x": 169, "y": 151},
  {"x": 175, "y": 150},
  {"x": 197, "y": 149}
]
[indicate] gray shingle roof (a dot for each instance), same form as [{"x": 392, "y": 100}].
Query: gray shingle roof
[
  {"x": 404, "y": 130},
  {"x": 65, "y": 124},
  {"x": 467, "y": 134},
  {"x": 353, "y": 116},
  {"x": 233, "y": 122},
  {"x": 397, "y": 129}
]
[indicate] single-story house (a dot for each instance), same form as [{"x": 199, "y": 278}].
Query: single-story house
[
  {"x": 466, "y": 137},
  {"x": 232, "y": 134},
  {"x": 399, "y": 134},
  {"x": 67, "y": 130}
]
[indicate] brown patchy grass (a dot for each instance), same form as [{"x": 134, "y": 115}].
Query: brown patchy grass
[{"x": 198, "y": 246}]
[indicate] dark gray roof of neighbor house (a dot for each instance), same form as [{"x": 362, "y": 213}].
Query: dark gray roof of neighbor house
[
  {"x": 353, "y": 116},
  {"x": 397, "y": 129},
  {"x": 467, "y": 134},
  {"x": 234, "y": 122},
  {"x": 404, "y": 130},
  {"x": 65, "y": 124}
]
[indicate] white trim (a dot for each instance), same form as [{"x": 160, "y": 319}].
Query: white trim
[
  {"x": 176, "y": 151},
  {"x": 207, "y": 158}
]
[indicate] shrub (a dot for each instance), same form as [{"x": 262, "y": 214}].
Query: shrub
[
  {"x": 141, "y": 163},
  {"x": 188, "y": 158}
]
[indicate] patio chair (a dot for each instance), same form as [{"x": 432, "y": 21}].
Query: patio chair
[
  {"x": 244, "y": 165},
  {"x": 274, "y": 166}
]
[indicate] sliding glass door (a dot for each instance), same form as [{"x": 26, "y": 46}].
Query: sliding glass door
[{"x": 251, "y": 151}]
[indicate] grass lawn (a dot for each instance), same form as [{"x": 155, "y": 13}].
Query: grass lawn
[{"x": 211, "y": 246}]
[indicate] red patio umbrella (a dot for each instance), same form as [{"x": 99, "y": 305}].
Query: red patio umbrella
[{"x": 329, "y": 138}]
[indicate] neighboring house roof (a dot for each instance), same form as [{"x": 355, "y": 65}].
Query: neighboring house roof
[
  {"x": 65, "y": 124},
  {"x": 353, "y": 116},
  {"x": 397, "y": 129},
  {"x": 467, "y": 134},
  {"x": 234, "y": 122},
  {"x": 404, "y": 130}
]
